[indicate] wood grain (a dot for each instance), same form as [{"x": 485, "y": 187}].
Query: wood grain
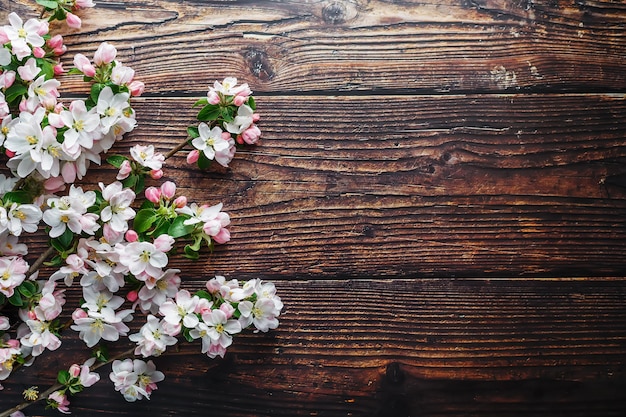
[
  {"x": 405, "y": 347},
  {"x": 296, "y": 47}
]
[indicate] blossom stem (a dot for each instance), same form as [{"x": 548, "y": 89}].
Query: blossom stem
[
  {"x": 39, "y": 261},
  {"x": 177, "y": 148},
  {"x": 57, "y": 386}
]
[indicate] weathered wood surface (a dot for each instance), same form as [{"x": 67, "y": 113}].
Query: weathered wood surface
[{"x": 439, "y": 197}]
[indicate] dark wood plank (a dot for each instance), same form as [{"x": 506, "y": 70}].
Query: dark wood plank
[
  {"x": 432, "y": 186},
  {"x": 403, "y": 347},
  {"x": 342, "y": 46}
]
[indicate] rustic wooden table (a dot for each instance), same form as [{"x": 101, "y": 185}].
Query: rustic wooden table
[{"x": 439, "y": 196}]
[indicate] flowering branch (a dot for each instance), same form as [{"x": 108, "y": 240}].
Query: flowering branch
[{"x": 109, "y": 238}]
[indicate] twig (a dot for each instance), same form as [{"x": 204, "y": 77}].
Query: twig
[
  {"x": 176, "y": 148},
  {"x": 42, "y": 258}
]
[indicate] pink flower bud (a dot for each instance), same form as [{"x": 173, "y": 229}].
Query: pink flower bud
[
  {"x": 58, "y": 69},
  {"x": 8, "y": 78},
  {"x": 74, "y": 371},
  {"x": 122, "y": 75},
  {"x": 228, "y": 309},
  {"x": 81, "y": 4},
  {"x": 136, "y": 88},
  {"x": 226, "y": 136},
  {"x": 132, "y": 296},
  {"x": 9, "y": 153},
  {"x": 213, "y": 97},
  {"x": 31, "y": 315},
  {"x": 38, "y": 52},
  {"x": 256, "y": 117},
  {"x": 131, "y": 236},
  {"x": 156, "y": 174},
  {"x": 180, "y": 202},
  {"x": 84, "y": 65},
  {"x": 222, "y": 237},
  {"x": 239, "y": 139},
  {"x": 153, "y": 194},
  {"x": 13, "y": 343},
  {"x": 43, "y": 28},
  {"x": 79, "y": 313},
  {"x": 125, "y": 170},
  {"x": 168, "y": 189},
  {"x": 192, "y": 157},
  {"x": 239, "y": 100},
  {"x": 251, "y": 135},
  {"x": 73, "y": 21},
  {"x": 105, "y": 54},
  {"x": 54, "y": 184},
  {"x": 164, "y": 243},
  {"x": 55, "y": 41}
]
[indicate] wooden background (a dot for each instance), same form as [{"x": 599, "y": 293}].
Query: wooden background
[{"x": 439, "y": 196}]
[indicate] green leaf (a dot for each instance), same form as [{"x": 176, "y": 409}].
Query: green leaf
[
  {"x": 144, "y": 219},
  {"x": 95, "y": 91},
  {"x": 190, "y": 253},
  {"x": 204, "y": 294},
  {"x": 187, "y": 335},
  {"x": 19, "y": 197},
  {"x": 63, "y": 377},
  {"x": 16, "y": 299},
  {"x": 60, "y": 14},
  {"x": 75, "y": 389},
  {"x": 14, "y": 92},
  {"x": 161, "y": 228},
  {"x": 56, "y": 261},
  {"x": 192, "y": 131},
  {"x": 252, "y": 103},
  {"x": 140, "y": 185},
  {"x": 209, "y": 112},
  {"x": 74, "y": 71},
  {"x": 48, "y": 4},
  {"x": 201, "y": 102},
  {"x": 178, "y": 229},
  {"x": 130, "y": 181},
  {"x": 3, "y": 298},
  {"x": 101, "y": 353},
  {"x": 203, "y": 161},
  {"x": 66, "y": 239},
  {"x": 57, "y": 245},
  {"x": 47, "y": 68},
  {"x": 227, "y": 114},
  {"x": 116, "y": 160},
  {"x": 27, "y": 289}
]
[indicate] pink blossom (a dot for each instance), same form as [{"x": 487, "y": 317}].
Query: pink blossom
[
  {"x": 29, "y": 70},
  {"x": 79, "y": 313},
  {"x": 59, "y": 401},
  {"x": 122, "y": 75},
  {"x": 164, "y": 243},
  {"x": 180, "y": 202},
  {"x": 156, "y": 174},
  {"x": 125, "y": 170},
  {"x": 38, "y": 52},
  {"x": 213, "y": 97},
  {"x": 4, "y": 323},
  {"x": 3, "y": 36},
  {"x": 44, "y": 27},
  {"x": 239, "y": 100},
  {"x": 136, "y": 88},
  {"x": 132, "y": 296},
  {"x": 74, "y": 370},
  {"x": 193, "y": 156},
  {"x": 105, "y": 54},
  {"x": 168, "y": 189},
  {"x": 256, "y": 117},
  {"x": 55, "y": 42},
  {"x": 58, "y": 69},
  {"x": 131, "y": 236},
  {"x": 153, "y": 194},
  {"x": 81, "y": 4},
  {"x": 84, "y": 65},
  {"x": 251, "y": 135},
  {"x": 7, "y": 79},
  {"x": 73, "y": 21}
]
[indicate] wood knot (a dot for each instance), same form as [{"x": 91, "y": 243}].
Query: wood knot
[
  {"x": 259, "y": 64},
  {"x": 394, "y": 374},
  {"x": 334, "y": 13}
]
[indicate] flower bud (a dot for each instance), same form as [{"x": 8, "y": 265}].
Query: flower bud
[
  {"x": 213, "y": 97},
  {"x": 81, "y": 4},
  {"x": 136, "y": 88},
  {"x": 73, "y": 21},
  {"x": 131, "y": 236},
  {"x": 74, "y": 371},
  {"x": 55, "y": 41},
  {"x": 105, "y": 54},
  {"x": 122, "y": 75},
  {"x": 58, "y": 69},
  {"x": 4, "y": 323},
  {"x": 9, "y": 153},
  {"x": 180, "y": 202},
  {"x": 239, "y": 100},
  {"x": 8, "y": 78},
  {"x": 222, "y": 237},
  {"x": 228, "y": 309},
  {"x": 132, "y": 296},
  {"x": 168, "y": 189},
  {"x": 84, "y": 65},
  {"x": 38, "y": 52},
  {"x": 79, "y": 313},
  {"x": 156, "y": 174},
  {"x": 153, "y": 194},
  {"x": 256, "y": 117},
  {"x": 54, "y": 184},
  {"x": 192, "y": 157},
  {"x": 164, "y": 243},
  {"x": 3, "y": 37},
  {"x": 44, "y": 27},
  {"x": 125, "y": 170},
  {"x": 251, "y": 135}
]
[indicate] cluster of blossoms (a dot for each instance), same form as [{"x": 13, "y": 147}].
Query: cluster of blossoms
[{"x": 115, "y": 241}]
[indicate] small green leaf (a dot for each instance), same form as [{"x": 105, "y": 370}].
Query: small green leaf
[
  {"x": 66, "y": 239},
  {"x": 161, "y": 228},
  {"x": 209, "y": 112},
  {"x": 95, "y": 91},
  {"x": 204, "y": 294},
  {"x": 47, "y": 68},
  {"x": 101, "y": 353},
  {"x": 48, "y": 4},
  {"x": 75, "y": 389},
  {"x": 19, "y": 197},
  {"x": 56, "y": 261},
  {"x": 74, "y": 71},
  {"x": 252, "y": 103},
  {"x": 190, "y": 253},
  {"x": 144, "y": 219},
  {"x": 140, "y": 185},
  {"x": 25, "y": 292},
  {"x": 187, "y": 335},
  {"x": 178, "y": 229},
  {"x": 201, "y": 102},
  {"x": 27, "y": 289},
  {"x": 116, "y": 160},
  {"x": 63, "y": 377},
  {"x": 130, "y": 182},
  {"x": 227, "y": 114},
  {"x": 14, "y": 92},
  {"x": 16, "y": 299},
  {"x": 57, "y": 245},
  {"x": 203, "y": 161},
  {"x": 192, "y": 131}
]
